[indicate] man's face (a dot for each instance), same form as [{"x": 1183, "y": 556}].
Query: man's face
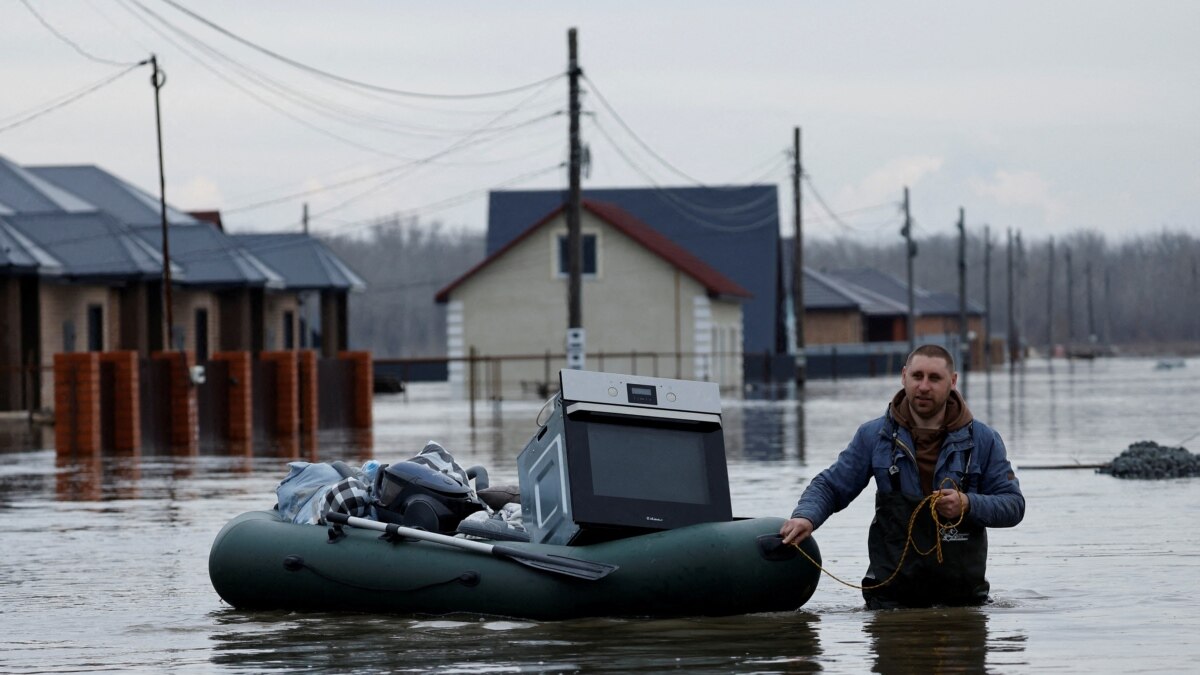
[{"x": 927, "y": 383}]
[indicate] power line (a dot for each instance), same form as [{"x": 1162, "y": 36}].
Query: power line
[
  {"x": 71, "y": 43},
  {"x": 345, "y": 80},
  {"x": 66, "y": 99}
]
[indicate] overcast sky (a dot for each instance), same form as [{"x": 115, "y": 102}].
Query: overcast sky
[{"x": 1047, "y": 117}]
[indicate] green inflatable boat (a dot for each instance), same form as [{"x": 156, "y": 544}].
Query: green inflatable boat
[{"x": 259, "y": 561}]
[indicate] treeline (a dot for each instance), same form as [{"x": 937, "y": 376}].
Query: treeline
[
  {"x": 1141, "y": 292},
  {"x": 404, "y": 263}
]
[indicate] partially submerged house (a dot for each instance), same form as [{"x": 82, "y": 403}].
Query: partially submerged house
[
  {"x": 81, "y": 270},
  {"x": 641, "y": 292}
]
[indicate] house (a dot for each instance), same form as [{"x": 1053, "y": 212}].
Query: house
[
  {"x": 732, "y": 229},
  {"x": 861, "y": 312},
  {"x": 641, "y": 292},
  {"x": 81, "y": 268}
]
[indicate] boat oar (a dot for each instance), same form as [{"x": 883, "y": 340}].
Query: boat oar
[{"x": 572, "y": 567}]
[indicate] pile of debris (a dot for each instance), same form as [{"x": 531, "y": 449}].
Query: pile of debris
[{"x": 1147, "y": 459}]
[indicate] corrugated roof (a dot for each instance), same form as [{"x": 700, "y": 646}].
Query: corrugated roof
[
  {"x": 91, "y": 245},
  {"x": 106, "y": 192},
  {"x": 713, "y": 281},
  {"x": 734, "y": 230},
  {"x": 884, "y": 294},
  {"x": 212, "y": 258},
  {"x": 24, "y": 192},
  {"x": 20, "y": 255},
  {"x": 304, "y": 262}
]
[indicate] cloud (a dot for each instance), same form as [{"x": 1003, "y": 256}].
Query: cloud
[
  {"x": 1021, "y": 189},
  {"x": 885, "y": 184},
  {"x": 201, "y": 192}
]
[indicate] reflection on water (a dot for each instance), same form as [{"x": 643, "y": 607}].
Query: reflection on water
[
  {"x": 469, "y": 644},
  {"x": 1090, "y": 581},
  {"x": 945, "y": 640}
]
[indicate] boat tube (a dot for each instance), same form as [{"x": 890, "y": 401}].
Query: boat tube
[{"x": 258, "y": 562}]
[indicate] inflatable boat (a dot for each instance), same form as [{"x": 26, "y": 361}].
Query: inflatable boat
[{"x": 259, "y": 562}]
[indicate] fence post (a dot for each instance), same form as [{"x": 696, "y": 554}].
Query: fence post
[
  {"x": 183, "y": 430},
  {"x": 239, "y": 399},
  {"x": 471, "y": 381},
  {"x": 362, "y": 397}
]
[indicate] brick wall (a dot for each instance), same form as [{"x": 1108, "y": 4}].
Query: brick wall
[
  {"x": 239, "y": 398},
  {"x": 362, "y": 397},
  {"x": 287, "y": 391},
  {"x": 76, "y": 386},
  {"x": 183, "y": 425},
  {"x": 126, "y": 404}
]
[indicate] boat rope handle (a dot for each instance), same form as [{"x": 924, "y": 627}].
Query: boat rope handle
[{"x": 932, "y": 500}]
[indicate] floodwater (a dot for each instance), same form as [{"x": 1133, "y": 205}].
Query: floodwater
[{"x": 103, "y": 561}]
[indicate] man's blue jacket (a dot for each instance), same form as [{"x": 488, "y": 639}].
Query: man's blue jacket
[{"x": 973, "y": 457}]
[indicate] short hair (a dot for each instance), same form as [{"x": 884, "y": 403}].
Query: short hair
[{"x": 933, "y": 352}]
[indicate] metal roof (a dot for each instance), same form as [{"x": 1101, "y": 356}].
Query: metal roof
[
  {"x": 303, "y": 261},
  {"x": 210, "y": 257},
  {"x": 882, "y": 294},
  {"x": 89, "y": 245},
  {"x": 734, "y": 230},
  {"x": 713, "y": 281},
  {"x": 106, "y": 192},
  {"x": 24, "y": 192}
]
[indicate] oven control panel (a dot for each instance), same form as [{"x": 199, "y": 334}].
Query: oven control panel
[{"x": 637, "y": 390}]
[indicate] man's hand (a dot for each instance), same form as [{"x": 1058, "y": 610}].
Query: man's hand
[
  {"x": 796, "y": 530},
  {"x": 952, "y": 504}
]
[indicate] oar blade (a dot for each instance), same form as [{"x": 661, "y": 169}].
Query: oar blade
[{"x": 572, "y": 567}]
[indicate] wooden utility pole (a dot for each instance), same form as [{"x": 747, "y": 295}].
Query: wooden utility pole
[
  {"x": 575, "y": 332},
  {"x": 1012, "y": 314},
  {"x": 1070, "y": 301},
  {"x": 304, "y": 218},
  {"x": 798, "y": 260},
  {"x": 1090, "y": 308},
  {"x": 987, "y": 298},
  {"x": 964, "y": 343},
  {"x": 158, "y": 79},
  {"x": 1050, "y": 302},
  {"x": 911, "y": 252}
]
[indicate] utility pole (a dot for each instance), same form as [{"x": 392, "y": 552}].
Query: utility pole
[
  {"x": 911, "y": 252},
  {"x": 159, "y": 79},
  {"x": 987, "y": 299},
  {"x": 1090, "y": 307},
  {"x": 1012, "y": 314},
  {"x": 798, "y": 260},
  {"x": 1018, "y": 290},
  {"x": 576, "y": 341},
  {"x": 964, "y": 343},
  {"x": 1070, "y": 302},
  {"x": 304, "y": 218},
  {"x": 1050, "y": 302}
]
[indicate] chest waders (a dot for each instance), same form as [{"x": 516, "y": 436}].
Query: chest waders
[{"x": 922, "y": 581}]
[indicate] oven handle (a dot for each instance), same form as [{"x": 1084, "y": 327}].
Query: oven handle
[{"x": 653, "y": 413}]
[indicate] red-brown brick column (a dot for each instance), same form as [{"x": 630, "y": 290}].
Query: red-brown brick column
[
  {"x": 287, "y": 391},
  {"x": 77, "y": 402},
  {"x": 183, "y": 429},
  {"x": 362, "y": 398},
  {"x": 126, "y": 408},
  {"x": 239, "y": 399},
  {"x": 308, "y": 391}
]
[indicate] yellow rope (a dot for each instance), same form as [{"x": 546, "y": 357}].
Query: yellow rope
[{"x": 932, "y": 500}]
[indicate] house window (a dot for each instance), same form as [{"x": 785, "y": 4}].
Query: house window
[
  {"x": 95, "y": 328},
  {"x": 201, "y": 334},
  {"x": 587, "y": 265},
  {"x": 289, "y": 334}
]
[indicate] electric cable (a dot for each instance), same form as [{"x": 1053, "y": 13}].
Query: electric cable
[
  {"x": 357, "y": 83},
  {"x": 65, "y": 99}
]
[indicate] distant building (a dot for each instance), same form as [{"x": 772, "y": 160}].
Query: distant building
[
  {"x": 81, "y": 270},
  {"x": 641, "y": 292}
]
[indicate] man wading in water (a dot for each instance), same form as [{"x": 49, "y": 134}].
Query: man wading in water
[{"x": 926, "y": 443}]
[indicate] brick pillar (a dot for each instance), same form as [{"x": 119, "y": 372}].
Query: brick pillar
[
  {"x": 362, "y": 397},
  {"x": 308, "y": 390},
  {"x": 126, "y": 408},
  {"x": 183, "y": 429},
  {"x": 239, "y": 398},
  {"x": 77, "y": 402},
  {"x": 287, "y": 391}
]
